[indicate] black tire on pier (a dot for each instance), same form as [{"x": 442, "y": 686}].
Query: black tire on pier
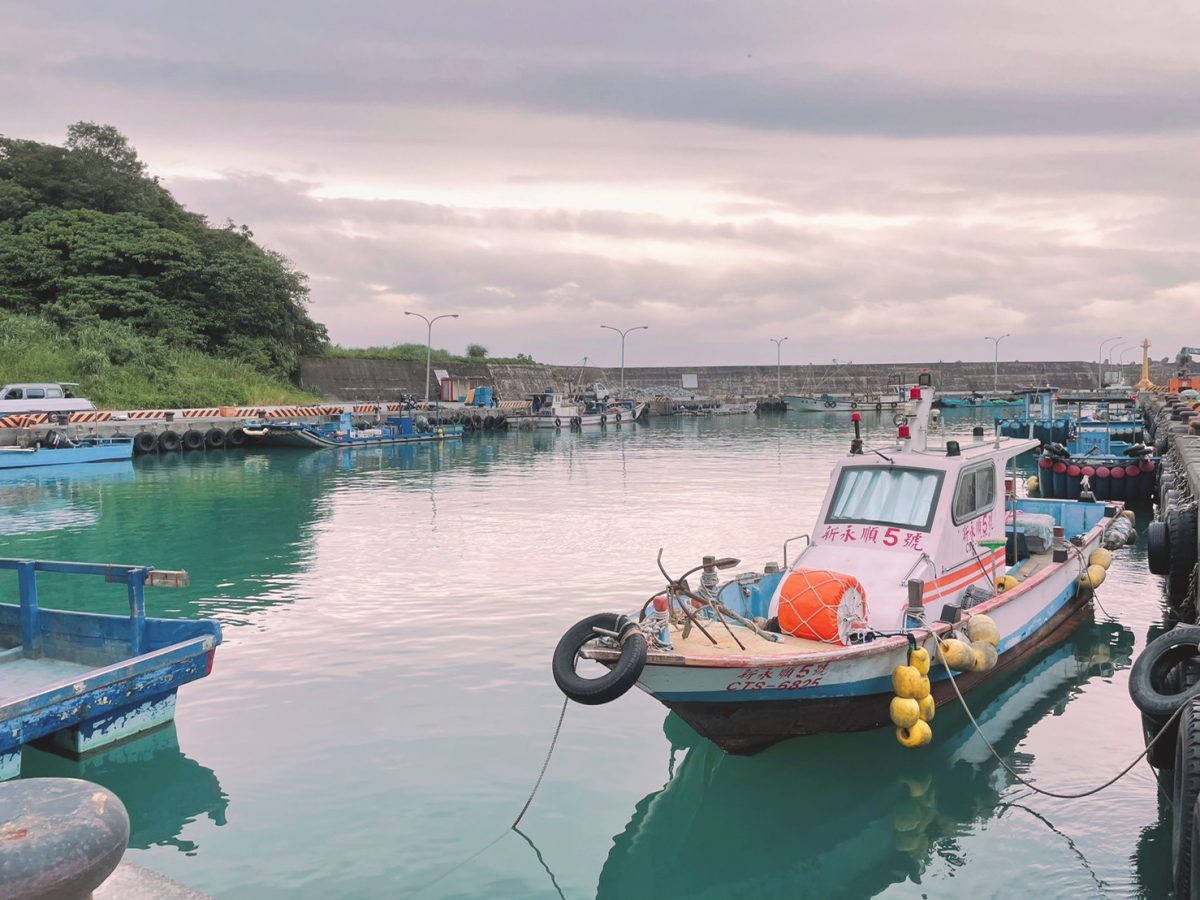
[
  {"x": 1181, "y": 533},
  {"x": 235, "y": 437},
  {"x": 502, "y": 423},
  {"x": 1148, "y": 675},
  {"x": 1180, "y": 678},
  {"x": 193, "y": 440},
  {"x": 1187, "y": 790},
  {"x": 215, "y": 438},
  {"x": 144, "y": 442},
  {"x": 168, "y": 441},
  {"x": 624, "y": 673},
  {"x": 1160, "y": 446},
  {"x": 1158, "y": 548}
]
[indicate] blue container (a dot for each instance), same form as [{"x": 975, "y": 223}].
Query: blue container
[{"x": 483, "y": 396}]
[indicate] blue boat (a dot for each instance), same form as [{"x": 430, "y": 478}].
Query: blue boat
[
  {"x": 341, "y": 431},
  {"x": 57, "y": 449},
  {"x": 82, "y": 681}
]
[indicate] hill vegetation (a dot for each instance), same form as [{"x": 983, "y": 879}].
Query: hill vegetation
[{"x": 105, "y": 279}]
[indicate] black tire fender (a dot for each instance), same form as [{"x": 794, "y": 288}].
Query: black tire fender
[
  {"x": 1186, "y": 793},
  {"x": 623, "y": 674},
  {"x": 1181, "y": 535},
  {"x": 1158, "y": 548},
  {"x": 193, "y": 440},
  {"x": 557, "y": 422},
  {"x": 603, "y": 419},
  {"x": 214, "y": 438},
  {"x": 145, "y": 442},
  {"x": 168, "y": 441},
  {"x": 1148, "y": 676},
  {"x": 235, "y": 437}
]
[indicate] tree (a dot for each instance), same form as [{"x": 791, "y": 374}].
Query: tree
[
  {"x": 105, "y": 142},
  {"x": 477, "y": 351}
]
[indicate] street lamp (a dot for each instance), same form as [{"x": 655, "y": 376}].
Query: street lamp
[
  {"x": 1100, "y": 360},
  {"x": 778, "y": 364},
  {"x": 996, "y": 360},
  {"x": 622, "y": 334},
  {"x": 1112, "y": 357},
  {"x": 429, "y": 341}
]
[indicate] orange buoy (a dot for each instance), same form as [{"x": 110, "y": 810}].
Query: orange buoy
[{"x": 822, "y": 606}]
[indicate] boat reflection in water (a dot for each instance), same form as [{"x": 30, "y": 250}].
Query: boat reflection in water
[
  {"x": 841, "y": 815},
  {"x": 37, "y": 500},
  {"x": 162, "y": 789}
]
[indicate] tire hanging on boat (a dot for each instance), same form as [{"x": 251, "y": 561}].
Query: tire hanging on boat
[
  {"x": 620, "y": 678},
  {"x": 557, "y": 422}
]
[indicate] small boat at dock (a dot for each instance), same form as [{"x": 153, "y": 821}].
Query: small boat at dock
[
  {"x": 58, "y": 448},
  {"x": 590, "y": 408},
  {"x": 342, "y": 431},
  {"x": 924, "y": 565},
  {"x": 81, "y": 681}
]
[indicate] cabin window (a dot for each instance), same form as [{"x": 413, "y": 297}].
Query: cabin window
[
  {"x": 976, "y": 493},
  {"x": 53, "y": 392},
  {"x": 35, "y": 394},
  {"x": 891, "y": 496},
  {"x": 13, "y": 394}
]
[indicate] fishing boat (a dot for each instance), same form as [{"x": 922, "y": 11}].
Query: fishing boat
[
  {"x": 921, "y": 552},
  {"x": 341, "y": 431},
  {"x": 554, "y": 409},
  {"x": 826, "y": 403},
  {"x": 57, "y": 448},
  {"x": 81, "y": 681}
]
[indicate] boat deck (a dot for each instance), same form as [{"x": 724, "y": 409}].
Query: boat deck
[
  {"x": 21, "y": 677},
  {"x": 697, "y": 645}
]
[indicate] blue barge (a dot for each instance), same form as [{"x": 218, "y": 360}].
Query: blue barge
[
  {"x": 82, "y": 681},
  {"x": 341, "y": 431},
  {"x": 56, "y": 449}
]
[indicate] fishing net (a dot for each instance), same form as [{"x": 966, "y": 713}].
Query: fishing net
[{"x": 822, "y": 606}]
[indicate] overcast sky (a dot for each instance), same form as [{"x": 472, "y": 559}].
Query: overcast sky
[{"x": 876, "y": 181}]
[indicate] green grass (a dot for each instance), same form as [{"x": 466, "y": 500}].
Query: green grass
[
  {"x": 417, "y": 352},
  {"x": 119, "y": 369}
]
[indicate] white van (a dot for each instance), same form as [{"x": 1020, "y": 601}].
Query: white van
[{"x": 41, "y": 397}]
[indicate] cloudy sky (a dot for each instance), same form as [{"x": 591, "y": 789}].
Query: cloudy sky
[{"x": 884, "y": 181}]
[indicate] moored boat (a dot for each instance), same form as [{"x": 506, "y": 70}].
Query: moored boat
[
  {"x": 918, "y": 549},
  {"x": 554, "y": 409},
  {"x": 83, "y": 681},
  {"x": 57, "y": 448},
  {"x": 341, "y": 431}
]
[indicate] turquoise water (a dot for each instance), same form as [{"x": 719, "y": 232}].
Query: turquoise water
[{"x": 382, "y": 703}]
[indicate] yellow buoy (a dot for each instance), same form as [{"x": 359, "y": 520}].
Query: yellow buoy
[
  {"x": 923, "y": 688},
  {"x": 983, "y": 628},
  {"x": 919, "y": 660},
  {"x": 905, "y": 712},
  {"x": 906, "y": 682},
  {"x": 1100, "y": 557},
  {"x": 926, "y": 708},
  {"x": 1093, "y": 577},
  {"x": 985, "y": 656},
  {"x": 1130, "y": 515},
  {"x": 957, "y": 655},
  {"x": 917, "y": 736},
  {"x": 1031, "y": 485},
  {"x": 1005, "y": 583}
]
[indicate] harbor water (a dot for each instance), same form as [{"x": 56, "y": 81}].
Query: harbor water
[{"x": 383, "y": 703}]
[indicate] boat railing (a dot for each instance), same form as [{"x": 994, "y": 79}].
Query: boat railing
[
  {"x": 923, "y": 558},
  {"x": 800, "y": 537},
  {"x": 135, "y": 578}
]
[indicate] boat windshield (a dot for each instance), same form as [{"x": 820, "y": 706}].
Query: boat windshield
[{"x": 886, "y": 496}]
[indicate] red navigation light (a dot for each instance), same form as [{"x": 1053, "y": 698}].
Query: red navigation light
[
  {"x": 903, "y": 432},
  {"x": 855, "y": 417},
  {"x": 914, "y": 393}
]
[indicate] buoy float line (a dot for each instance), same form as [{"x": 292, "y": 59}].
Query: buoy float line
[{"x": 1033, "y": 787}]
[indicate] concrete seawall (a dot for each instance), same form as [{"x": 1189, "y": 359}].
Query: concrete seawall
[{"x": 384, "y": 379}]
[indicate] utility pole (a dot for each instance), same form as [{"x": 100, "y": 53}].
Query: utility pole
[
  {"x": 779, "y": 364},
  {"x": 996, "y": 360},
  {"x": 429, "y": 342},
  {"x": 621, "y": 394}
]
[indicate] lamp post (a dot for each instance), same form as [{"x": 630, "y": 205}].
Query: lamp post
[
  {"x": 622, "y": 334},
  {"x": 996, "y": 360},
  {"x": 429, "y": 341},
  {"x": 1100, "y": 361},
  {"x": 779, "y": 364},
  {"x": 1112, "y": 357}
]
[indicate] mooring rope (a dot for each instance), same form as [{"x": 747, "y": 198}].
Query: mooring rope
[
  {"x": 979, "y": 730},
  {"x": 517, "y": 821}
]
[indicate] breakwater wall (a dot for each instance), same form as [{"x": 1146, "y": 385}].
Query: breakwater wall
[{"x": 384, "y": 379}]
